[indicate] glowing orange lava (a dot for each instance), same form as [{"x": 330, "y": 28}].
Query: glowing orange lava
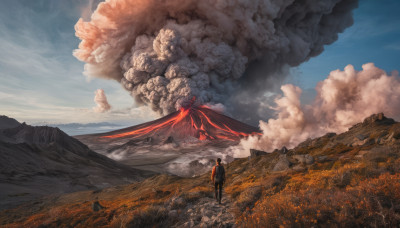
[
  {"x": 148, "y": 129},
  {"x": 200, "y": 122}
]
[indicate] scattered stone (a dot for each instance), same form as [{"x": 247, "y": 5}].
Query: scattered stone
[
  {"x": 329, "y": 135},
  {"x": 173, "y": 213},
  {"x": 205, "y": 219},
  {"x": 298, "y": 167},
  {"x": 389, "y": 139},
  {"x": 363, "y": 142},
  {"x": 149, "y": 140},
  {"x": 284, "y": 150},
  {"x": 361, "y": 137},
  {"x": 169, "y": 140},
  {"x": 324, "y": 158},
  {"x": 330, "y": 144},
  {"x": 96, "y": 206},
  {"x": 206, "y": 212},
  {"x": 361, "y": 154}
]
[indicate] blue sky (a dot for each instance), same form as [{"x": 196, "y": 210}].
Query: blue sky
[
  {"x": 40, "y": 80},
  {"x": 374, "y": 37}
]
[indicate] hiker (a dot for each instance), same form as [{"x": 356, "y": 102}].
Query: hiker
[{"x": 218, "y": 178}]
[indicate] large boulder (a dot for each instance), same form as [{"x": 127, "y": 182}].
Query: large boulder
[
  {"x": 282, "y": 164},
  {"x": 283, "y": 150},
  {"x": 374, "y": 118},
  {"x": 256, "y": 153},
  {"x": 96, "y": 206},
  {"x": 304, "y": 158},
  {"x": 169, "y": 140}
]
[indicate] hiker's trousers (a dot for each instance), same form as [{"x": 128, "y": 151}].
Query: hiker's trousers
[{"x": 218, "y": 190}]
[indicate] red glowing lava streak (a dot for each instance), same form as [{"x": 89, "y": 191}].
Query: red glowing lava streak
[
  {"x": 182, "y": 114},
  {"x": 199, "y": 122},
  {"x": 227, "y": 129}
]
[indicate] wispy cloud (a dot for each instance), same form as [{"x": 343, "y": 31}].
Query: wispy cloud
[
  {"x": 40, "y": 80},
  {"x": 393, "y": 46}
]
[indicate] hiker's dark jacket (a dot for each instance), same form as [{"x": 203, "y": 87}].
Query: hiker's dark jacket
[{"x": 218, "y": 174}]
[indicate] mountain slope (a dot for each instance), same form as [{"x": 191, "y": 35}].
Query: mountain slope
[
  {"x": 197, "y": 122},
  {"x": 333, "y": 180},
  {"x": 183, "y": 143},
  {"x": 7, "y": 122},
  {"x": 37, "y": 161}
]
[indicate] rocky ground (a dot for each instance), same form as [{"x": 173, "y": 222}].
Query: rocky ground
[
  {"x": 350, "y": 179},
  {"x": 207, "y": 212}
]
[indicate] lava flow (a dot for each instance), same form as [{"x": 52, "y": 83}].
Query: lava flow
[{"x": 200, "y": 122}]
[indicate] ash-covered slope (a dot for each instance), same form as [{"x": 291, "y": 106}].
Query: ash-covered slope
[
  {"x": 37, "y": 161},
  {"x": 184, "y": 143},
  {"x": 197, "y": 122}
]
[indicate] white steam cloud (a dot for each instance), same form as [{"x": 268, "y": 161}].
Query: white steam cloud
[
  {"x": 166, "y": 52},
  {"x": 343, "y": 99},
  {"x": 101, "y": 100}
]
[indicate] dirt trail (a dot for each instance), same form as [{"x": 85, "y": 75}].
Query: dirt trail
[{"x": 206, "y": 212}]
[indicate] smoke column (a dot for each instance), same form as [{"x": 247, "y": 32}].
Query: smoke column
[
  {"x": 343, "y": 99},
  {"x": 166, "y": 52},
  {"x": 101, "y": 100}
]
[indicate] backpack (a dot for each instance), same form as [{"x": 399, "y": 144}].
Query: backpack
[{"x": 219, "y": 174}]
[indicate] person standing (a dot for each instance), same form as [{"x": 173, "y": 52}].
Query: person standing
[{"x": 218, "y": 178}]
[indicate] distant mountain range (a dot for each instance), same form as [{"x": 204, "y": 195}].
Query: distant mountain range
[
  {"x": 42, "y": 160},
  {"x": 79, "y": 128}
]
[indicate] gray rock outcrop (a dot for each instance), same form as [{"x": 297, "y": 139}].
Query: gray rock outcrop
[
  {"x": 256, "y": 153},
  {"x": 304, "y": 158},
  {"x": 282, "y": 164}
]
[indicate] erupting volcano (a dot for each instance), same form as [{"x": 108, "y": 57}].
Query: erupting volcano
[{"x": 199, "y": 122}]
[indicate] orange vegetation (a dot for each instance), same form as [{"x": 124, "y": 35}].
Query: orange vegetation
[{"x": 339, "y": 189}]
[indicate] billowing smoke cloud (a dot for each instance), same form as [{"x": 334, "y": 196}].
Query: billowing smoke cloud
[
  {"x": 343, "y": 99},
  {"x": 101, "y": 100},
  {"x": 166, "y": 52}
]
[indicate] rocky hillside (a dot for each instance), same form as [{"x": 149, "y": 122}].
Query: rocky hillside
[
  {"x": 37, "y": 161},
  {"x": 7, "y": 122},
  {"x": 345, "y": 180}
]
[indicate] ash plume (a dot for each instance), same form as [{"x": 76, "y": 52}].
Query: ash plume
[
  {"x": 343, "y": 99},
  {"x": 166, "y": 52},
  {"x": 101, "y": 100}
]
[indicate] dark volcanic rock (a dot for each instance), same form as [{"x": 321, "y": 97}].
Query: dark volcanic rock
[
  {"x": 169, "y": 140},
  {"x": 149, "y": 140},
  {"x": 96, "y": 206},
  {"x": 375, "y": 119},
  {"x": 7, "y": 122},
  {"x": 37, "y": 161},
  {"x": 255, "y": 153},
  {"x": 283, "y": 150}
]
